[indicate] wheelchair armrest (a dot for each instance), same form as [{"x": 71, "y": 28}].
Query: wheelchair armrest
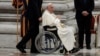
[{"x": 49, "y": 28}]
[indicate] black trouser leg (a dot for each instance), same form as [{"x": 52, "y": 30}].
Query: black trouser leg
[
  {"x": 35, "y": 33},
  {"x": 31, "y": 34},
  {"x": 87, "y": 30},
  {"x": 24, "y": 40},
  {"x": 80, "y": 23}
]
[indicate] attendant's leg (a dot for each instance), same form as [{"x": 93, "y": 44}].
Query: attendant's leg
[
  {"x": 22, "y": 26},
  {"x": 80, "y": 22},
  {"x": 26, "y": 25},
  {"x": 33, "y": 14},
  {"x": 23, "y": 42},
  {"x": 35, "y": 31},
  {"x": 88, "y": 32},
  {"x": 26, "y": 38}
]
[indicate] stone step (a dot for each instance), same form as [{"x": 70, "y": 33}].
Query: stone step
[
  {"x": 8, "y": 8},
  {"x": 8, "y": 40},
  {"x": 9, "y": 27},
  {"x": 8, "y": 19},
  {"x": 4, "y": 17},
  {"x": 59, "y": 7}
]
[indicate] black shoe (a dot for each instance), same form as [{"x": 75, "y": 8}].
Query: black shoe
[
  {"x": 62, "y": 51},
  {"x": 74, "y": 50},
  {"x": 20, "y": 49},
  {"x": 89, "y": 48},
  {"x": 35, "y": 52},
  {"x": 24, "y": 46},
  {"x": 80, "y": 47},
  {"x": 66, "y": 52}
]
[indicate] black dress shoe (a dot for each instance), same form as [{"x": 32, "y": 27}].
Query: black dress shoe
[
  {"x": 74, "y": 50},
  {"x": 20, "y": 49},
  {"x": 62, "y": 51},
  {"x": 24, "y": 46},
  {"x": 66, "y": 52},
  {"x": 35, "y": 52},
  {"x": 80, "y": 47},
  {"x": 88, "y": 48}
]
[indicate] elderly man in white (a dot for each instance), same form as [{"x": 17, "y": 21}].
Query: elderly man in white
[{"x": 65, "y": 33}]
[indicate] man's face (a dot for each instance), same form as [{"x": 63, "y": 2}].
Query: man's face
[{"x": 51, "y": 8}]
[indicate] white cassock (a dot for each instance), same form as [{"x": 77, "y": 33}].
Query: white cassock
[{"x": 65, "y": 33}]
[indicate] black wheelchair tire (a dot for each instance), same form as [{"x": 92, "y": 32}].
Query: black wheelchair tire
[{"x": 56, "y": 44}]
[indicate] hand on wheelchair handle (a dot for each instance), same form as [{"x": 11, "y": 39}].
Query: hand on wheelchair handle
[{"x": 40, "y": 19}]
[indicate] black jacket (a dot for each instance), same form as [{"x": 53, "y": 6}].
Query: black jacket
[
  {"x": 33, "y": 10},
  {"x": 80, "y": 6}
]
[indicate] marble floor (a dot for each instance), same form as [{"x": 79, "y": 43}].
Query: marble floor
[{"x": 83, "y": 52}]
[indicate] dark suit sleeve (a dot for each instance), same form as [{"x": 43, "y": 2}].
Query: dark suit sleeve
[
  {"x": 91, "y": 7},
  {"x": 40, "y": 6},
  {"x": 77, "y": 6},
  {"x": 32, "y": 10}
]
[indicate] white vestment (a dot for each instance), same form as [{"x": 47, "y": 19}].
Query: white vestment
[{"x": 65, "y": 33}]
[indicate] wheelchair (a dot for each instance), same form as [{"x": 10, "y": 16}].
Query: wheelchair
[{"x": 48, "y": 41}]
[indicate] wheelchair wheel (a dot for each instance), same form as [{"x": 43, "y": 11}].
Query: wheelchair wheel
[{"x": 47, "y": 42}]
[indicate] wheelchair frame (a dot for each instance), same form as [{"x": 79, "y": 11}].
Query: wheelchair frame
[{"x": 57, "y": 43}]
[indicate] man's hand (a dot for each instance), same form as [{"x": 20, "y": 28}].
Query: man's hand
[
  {"x": 85, "y": 13},
  {"x": 40, "y": 19}
]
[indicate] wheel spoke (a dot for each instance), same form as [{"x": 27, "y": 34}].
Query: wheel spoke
[{"x": 47, "y": 42}]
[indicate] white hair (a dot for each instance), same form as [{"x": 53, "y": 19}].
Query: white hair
[{"x": 49, "y": 4}]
